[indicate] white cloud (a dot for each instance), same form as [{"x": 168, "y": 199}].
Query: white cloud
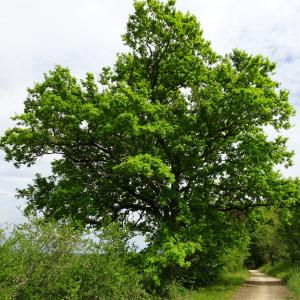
[{"x": 85, "y": 35}]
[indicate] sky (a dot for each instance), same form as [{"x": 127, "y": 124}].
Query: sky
[{"x": 84, "y": 35}]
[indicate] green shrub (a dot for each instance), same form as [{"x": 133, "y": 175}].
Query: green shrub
[{"x": 49, "y": 261}]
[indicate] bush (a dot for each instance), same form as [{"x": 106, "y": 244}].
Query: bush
[{"x": 49, "y": 261}]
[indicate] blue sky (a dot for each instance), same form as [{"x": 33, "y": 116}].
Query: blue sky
[{"x": 85, "y": 36}]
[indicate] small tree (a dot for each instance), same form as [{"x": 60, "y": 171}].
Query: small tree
[{"x": 172, "y": 142}]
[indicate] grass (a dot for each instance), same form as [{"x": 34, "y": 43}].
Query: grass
[
  {"x": 225, "y": 287},
  {"x": 289, "y": 273}
]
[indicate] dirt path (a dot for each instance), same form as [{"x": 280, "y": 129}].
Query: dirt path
[{"x": 262, "y": 287}]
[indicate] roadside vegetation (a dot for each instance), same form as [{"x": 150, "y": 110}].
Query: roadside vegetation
[
  {"x": 47, "y": 260},
  {"x": 224, "y": 287},
  {"x": 41, "y": 260}
]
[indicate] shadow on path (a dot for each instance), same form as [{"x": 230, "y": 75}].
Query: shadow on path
[{"x": 262, "y": 287}]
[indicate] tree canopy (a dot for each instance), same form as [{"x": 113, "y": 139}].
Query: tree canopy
[{"x": 170, "y": 140}]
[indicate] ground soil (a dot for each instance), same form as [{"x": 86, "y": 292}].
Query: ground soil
[{"x": 262, "y": 287}]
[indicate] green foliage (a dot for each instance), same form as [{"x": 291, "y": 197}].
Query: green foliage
[
  {"x": 276, "y": 234},
  {"x": 234, "y": 258},
  {"x": 280, "y": 269},
  {"x": 171, "y": 142},
  {"x": 145, "y": 166},
  {"x": 268, "y": 239},
  {"x": 168, "y": 258},
  {"x": 174, "y": 291},
  {"x": 49, "y": 261},
  {"x": 290, "y": 230}
]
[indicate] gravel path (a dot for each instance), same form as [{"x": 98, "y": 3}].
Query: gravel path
[{"x": 262, "y": 287}]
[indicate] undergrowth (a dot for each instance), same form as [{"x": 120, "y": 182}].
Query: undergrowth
[{"x": 224, "y": 287}]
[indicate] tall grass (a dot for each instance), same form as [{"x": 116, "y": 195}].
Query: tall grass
[{"x": 225, "y": 286}]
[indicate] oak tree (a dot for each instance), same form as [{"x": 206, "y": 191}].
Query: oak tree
[{"x": 170, "y": 140}]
